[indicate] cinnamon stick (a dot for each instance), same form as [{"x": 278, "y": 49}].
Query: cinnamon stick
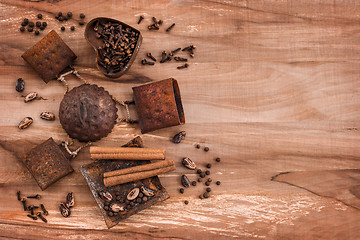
[
  {"x": 140, "y": 168},
  {"x": 126, "y": 153},
  {"x": 112, "y": 181}
]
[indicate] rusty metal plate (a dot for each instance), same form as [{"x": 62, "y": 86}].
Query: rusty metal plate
[
  {"x": 47, "y": 163},
  {"x": 158, "y": 105},
  {"x": 50, "y": 56},
  {"x": 93, "y": 174},
  {"x": 88, "y": 113}
]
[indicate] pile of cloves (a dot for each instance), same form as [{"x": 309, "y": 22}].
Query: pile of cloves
[
  {"x": 117, "y": 203},
  {"x": 119, "y": 45},
  {"x": 64, "y": 207},
  {"x": 168, "y": 56},
  {"x": 31, "y": 209}
]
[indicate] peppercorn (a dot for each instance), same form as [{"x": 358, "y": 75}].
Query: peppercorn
[
  {"x": 206, "y": 195},
  {"x": 30, "y": 29},
  {"x": 72, "y": 28},
  {"x": 209, "y": 180},
  {"x": 206, "y": 149},
  {"x": 37, "y": 32},
  {"x": 31, "y": 24},
  {"x": 59, "y": 14},
  {"x": 207, "y": 183},
  {"x": 26, "y": 20},
  {"x": 81, "y": 23},
  {"x": 39, "y": 16},
  {"x": 23, "y": 24},
  {"x": 181, "y": 190},
  {"x": 186, "y": 202},
  {"x": 208, "y": 189},
  {"x": 193, "y": 183},
  {"x": 61, "y": 18},
  {"x": 22, "y": 29},
  {"x": 218, "y": 183},
  {"x": 69, "y": 14},
  {"x": 198, "y": 171},
  {"x": 138, "y": 200},
  {"x": 207, "y": 172},
  {"x": 82, "y": 15},
  {"x": 202, "y": 175},
  {"x": 208, "y": 165},
  {"x": 197, "y": 146},
  {"x": 65, "y": 18},
  {"x": 44, "y": 24},
  {"x": 62, "y": 28},
  {"x": 200, "y": 180},
  {"x": 218, "y": 159},
  {"x": 38, "y": 24}
]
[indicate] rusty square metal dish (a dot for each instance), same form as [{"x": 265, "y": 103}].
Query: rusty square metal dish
[
  {"x": 93, "y": 174},
  {"x": 47, "y": 163},
  {"x": 50, "y": 56},
  {"x": 158, "y": 105}
]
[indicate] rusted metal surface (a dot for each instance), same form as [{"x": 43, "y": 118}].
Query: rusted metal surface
[
  {"x": 47, "y": 163},
  {"x": 96, "y": 42},
  {"x": 87, "y": 113},
  {"x": 158, "y": 105},
  {"x": 50, "y": 56},
  {"x": 93, "y": 174}
]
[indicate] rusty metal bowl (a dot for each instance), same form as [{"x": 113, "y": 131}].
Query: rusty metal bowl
[{"x": 95, "y": 42}]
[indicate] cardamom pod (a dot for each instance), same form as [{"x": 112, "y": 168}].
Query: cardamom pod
[
  {"x": 185, "y": 181},
  {"x": 187, "y": 162}
]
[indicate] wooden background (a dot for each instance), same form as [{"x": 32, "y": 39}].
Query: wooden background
[{"x": 273, "y": 90}]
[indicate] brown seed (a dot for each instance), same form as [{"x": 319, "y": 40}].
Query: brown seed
[
  {"x": 218, "y": 159},
  {"x": 179, "y": 136},
  {"x": 186, "y": 202},
  {"x": 193, "y": 183},
  {"x": 185, "y": 181},
  {"x": 199, "y": 180},
  {"x": 209, "y": 180},
  {"x": 31, "y": 96},
  {"x": 138, "y": 200},
  {"x": 132, "y": 204},
  {"x": 202, "y": 175},
  {"x": 47, "y": 116},
  {"x": 25, "y": 123},
  {"x": 82, "y": 15},
  {"x": 110, "y": 214},
  {"x": 206, "y": 149},
  {"x": 201, "y": 196},
  {"x": 181, "y": 190},
  {"x": 207, "y": 183},
  {"x": 198, "y": 171},
  {"x": 218, "y": 183},
  {"x": 206, "y": 195},
  {"x": 70, "y": 199},
  {"x": 207, "y": 172},
  {"x": 208, "y": 165},
  {"x": 64, "y": 210},
  {"x": 141, "y": 195},
  {"x": 133, "y": 194},
  {"x": 208, "y": 189},
  {"x": 187, "y": 162},
  {"x": 197, "y": 146},
  {"x": 106, "y": 208}
]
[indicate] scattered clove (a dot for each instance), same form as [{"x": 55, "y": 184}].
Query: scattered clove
[
  {"x": 43, "y": 209},
  {"x": 64, "y": 209},
  {"x": 41, "y": 217},
  {"x": 180, "y": 59},
  {"x": 145, "y": 62},
  {"x": 25, "y": 123},
  {"x": 183, "y": 66},
  {"x": 151, "y": 56},
  {"x": 32, "y": 217},
  {"x": 18, "y": 194},
  {"x": 169, "y": 28},
  {"x": 37, "y": 196},
  {"x": 140, "y": 19}
]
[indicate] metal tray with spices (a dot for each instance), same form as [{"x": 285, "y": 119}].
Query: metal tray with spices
[{"x": 93, "y": 174}]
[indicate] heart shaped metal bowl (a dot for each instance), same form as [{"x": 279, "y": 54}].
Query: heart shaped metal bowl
[{"x": 95, "y": 42}]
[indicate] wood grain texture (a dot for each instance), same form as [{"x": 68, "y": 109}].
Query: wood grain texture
[{"x": 273, "y": 90}]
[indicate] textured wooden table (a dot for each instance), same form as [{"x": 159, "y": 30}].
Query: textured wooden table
[{"x": 273, "y": 90}]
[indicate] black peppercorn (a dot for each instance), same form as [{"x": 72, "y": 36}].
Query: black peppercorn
[
  {"x": 197, "y": 146},
  {"x": 208, "y": 189},
  {"x": 186, "y": 202},
  {"x": 37, "y": 32},
  {"x": 41, "y": 28},
  {"x": 106, "y": 208},
  {"x": 26, "y": 20},
  {"x": 144, "y": 199},
  {"x": 193, "y": 183},
  {"x": 132, "y": 204},
  {"x": 31, "y": 24},
  {"x": 198, "y": 171},
  {"x": 206, "y": 195},
  {"x": 208, "y": 165},
  {"x": 22, "y": 29},
  {"x": 206, "y": 149},
  {"x": 65, "y": 18},
  {"x": 127, "y": 202},
  {"x": 44, "y": 24},
  {"x": 218, "y": 159},
  {"x": 207, "y": 183},
  {"x": 201, "y": 196},
  {"x": 110, "y": 214},
  {"x": 82, "y": 15},
  {"x": 81, "y": 23},
  {"x": 118, "y": 198},
  {"x": 141, "y": 195},
  {"x": 181, "y": 190},
  {"x": 72, "y": 28},
  {"x": 61, "y": 18},
  {"x": 207, "y": 172},
  {"x": 62, "y": 28},
  {"x": 117, "y": 193},
  {"x": 138, "y": 200},
  {"x": 59, "y": 14},
  {"x": 200, "y": 180},
  {"x": 30, "y": 29},
  {"x": 209, "y": 180},
  {"x": 202, "y": 175},
  {"x": 39, "y": 16},
  {"x": 23, "y": 24},
  {"x": 69, "y": 14},
  {"x": 218, "y": 183},
  {"x": 38, "y": 24}
]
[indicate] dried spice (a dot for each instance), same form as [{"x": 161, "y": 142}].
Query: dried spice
[
  {"x": 169, "y": 28},
  {"x": 145, "y": 62},
  {"x": 186, "y": 202},
  {"x": 133, "y": 194},
  {"x": 181, "y": 190},
  {"x": 18, "y": 194},
  {"x": 64, "y": 210},
  {"x": 20, "y": 85},
  {"x": 147, "y": 191},
  {"x": 31, "y": 96},
  {"x": 115, "y": 207},
  {"x": 23, "y": 201},
  {"x": 140, "y": 19},
  {"x": 206, "y": 195},
  {"x": 47, "y": 116},
  {"x": 208, "y": 189},
  {"x": 218, "y": 183},
  {"x": 45, "y": 212},
  {"x": 185, "y": 181},
  {"x": 25, "y": 123},
  {"x": 208, "y": 165},
  {"x": 179, "y": 136},
  {"x": 206, "y": 149},
  {"x": 193, "y": 183},
  {"x": 37, "y": 196},
  {"x": 70, "y": 199},
  {"x": 180, "y": 59},
  {"x": 187, "y": 162},
  {"x": 183, "y": 66},
  {"x": 106, "y": 196},
  {"x": 217, "y": 159},
  {"x": 41, "y": 217},
  {"x": 32, "y": 217}
]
